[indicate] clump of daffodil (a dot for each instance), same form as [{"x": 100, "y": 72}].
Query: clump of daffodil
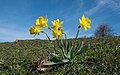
[
  {"x": 57, "y": 33},
  {"x": 57, "y": 29},
  {"x": 57, "y": 23},
  {"x": 34, "y": 30},
  {"x": 41, "y": 22},
  {"x": 69, "y": 50},
  {"x": 85, "y": 22}
]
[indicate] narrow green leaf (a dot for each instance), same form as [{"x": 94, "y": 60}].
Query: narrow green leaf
[
  {"x": 48, "y": 63},
  {"x": 54, "y": 54},
  {"x": 65, "y": 60},
  {"x": 64, "y": 53},
  {"x": 70, "y": 52},
  {"x": 83, "y": 50},
  {"x": 51, "y": 63},
  {"x": 78, "y": 47}
]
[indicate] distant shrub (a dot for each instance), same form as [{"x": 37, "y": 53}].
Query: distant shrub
[{"x": 103, "y": 30}]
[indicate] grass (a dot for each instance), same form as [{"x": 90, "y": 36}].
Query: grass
[{"x": 102, "y": 57}]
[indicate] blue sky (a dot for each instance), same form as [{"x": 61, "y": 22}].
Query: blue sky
[{"x": 16, "y": 16}]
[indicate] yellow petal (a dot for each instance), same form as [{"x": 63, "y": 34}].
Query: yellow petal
[
  {"x": 81, "y": 22},
  {"x": 37, "y": 22},
  {"x": 88, "y": 26},
  {"x": 85, "y": 28},
  {"x": 88, "y": 20},
  {"x": 53, "y": 22},
  {"x": 61, "y": 22},
  {"x": 85, "y": 22},
  {"x": 58, "y": 20},
  {"x": 83, "y": 17},
  {"x": 42, "y": 22}
]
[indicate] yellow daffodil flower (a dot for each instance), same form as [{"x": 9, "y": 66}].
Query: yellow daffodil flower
[
  {"x": 57, "y": 23},
  {"x": 57, "y": 33},
  {"x": 34, "y": 30},
  {"x": 41, "y": 22},
  {"x": 85, "y": 22}
]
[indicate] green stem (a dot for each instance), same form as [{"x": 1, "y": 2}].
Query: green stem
[
  {"x": 58, "y": 42},
  {"x": 77, "y": 32},
  {"x": 46, "y": 35},
  {"x": 51, "y": 29},
  {"x": 57, "y": 39},
  {"x": 66, "y": 41},
  {"x": 65, "y": 36},
  {"x": 49, "y": 40}
]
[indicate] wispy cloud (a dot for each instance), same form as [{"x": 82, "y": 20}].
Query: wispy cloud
[
  {"x": 97, "y": 8},
  {"x": 73, "y": 11},
  {"x": 115, "y": 5},
  {"x": 18, "y": 16},
  {"x": 102, "y": 4}
]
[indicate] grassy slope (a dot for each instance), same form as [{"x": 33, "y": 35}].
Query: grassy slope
[{"x": 102, "y": 57}]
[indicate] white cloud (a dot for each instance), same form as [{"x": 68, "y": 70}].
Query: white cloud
[
  {"x": 102, "y": 4},
  {"x": 74, "y": 11},
  {"x": 115, "y": 5}
]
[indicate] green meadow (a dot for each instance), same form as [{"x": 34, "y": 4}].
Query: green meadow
[{"x": 101, "y": 58}]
